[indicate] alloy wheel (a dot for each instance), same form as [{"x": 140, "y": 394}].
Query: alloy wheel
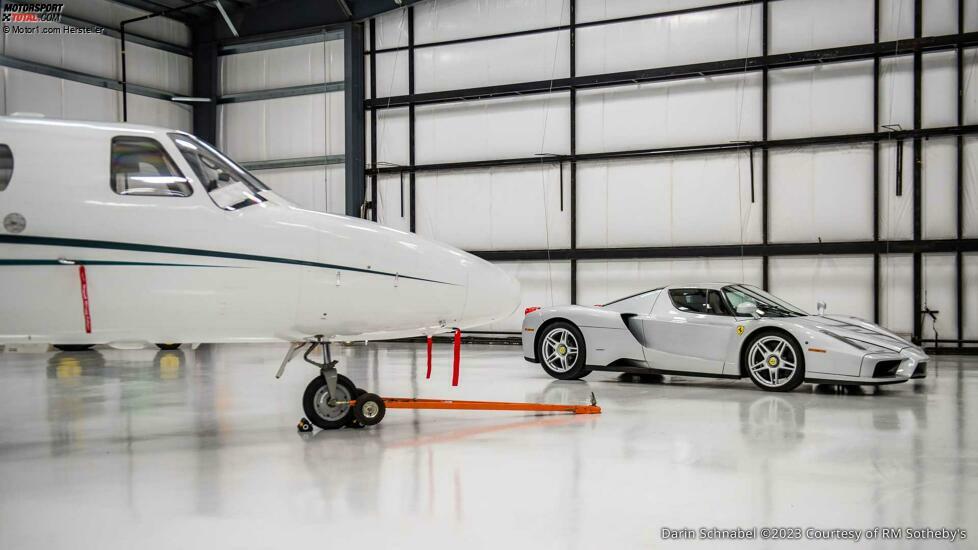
[
  {"x": 560, "y": 350},
  {"x": 772, "y": 361}
]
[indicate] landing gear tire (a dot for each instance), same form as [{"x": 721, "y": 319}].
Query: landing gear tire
[
  {"x": 562, "y": 353},
  {"x": 774, "y": 361},
  {"x": 73, "y": 347},
  {"x": 369, "y": 409},
  {"x": 168, "y": 347},
  {"x": 315, "y": 403}
]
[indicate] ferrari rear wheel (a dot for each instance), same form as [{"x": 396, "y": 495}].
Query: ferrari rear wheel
[
  {"x": 774, "y": 362},
  {"x": 562, "y": 353}
]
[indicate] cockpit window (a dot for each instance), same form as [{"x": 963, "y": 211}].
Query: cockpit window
[
  {"x": 6, "y": 166},
  {"x": 230, "y": 186},
  {"x": 140, "y": 166},
  {"x": 768, "y": 305}
]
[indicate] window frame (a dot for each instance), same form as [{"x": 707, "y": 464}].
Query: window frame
[
  {"x": 6, "y": 153},
  {"x": 705, "y": 290},
  {"x": 167, "y": 157},
  {"x": 257, "y": 187}
]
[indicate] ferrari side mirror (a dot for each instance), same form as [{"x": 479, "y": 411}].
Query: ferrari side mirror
[{"x": 745, "y": 309}]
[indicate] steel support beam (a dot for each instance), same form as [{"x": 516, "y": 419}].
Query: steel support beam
[
  {"x": 353, "y": 101},
  {"x": 918, "y": 280},
  {"x": 959, "y": 184},
  {"x": 573, "y": 150},
  {"x": 312, "y": 35},
  {"x": 373, "y": 121},
  {"x": 696, "y": 70},
  {"x": 556, "y": 28},
  {"x": 841, "y": 139},
  {"x": 299, "y": 162},
  {"x": 736, "y": 250},
  {"x": 205, "y": 82},
  {"x": 412, "y": 179},
  {"x": 765, "y": 162},
  {"x": 275, "y": 93},
  {"x": 876, "y": 163}
]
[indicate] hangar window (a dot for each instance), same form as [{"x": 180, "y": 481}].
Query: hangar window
[
  {"x": 6, "y": 166},
  {"x": 699, "y": 300},
  {"x": 140, "y": 166}
]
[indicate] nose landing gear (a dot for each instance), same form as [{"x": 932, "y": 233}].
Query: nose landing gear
[{"x": 331, "y": 400}]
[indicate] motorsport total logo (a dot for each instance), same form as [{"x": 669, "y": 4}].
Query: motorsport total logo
[{"x": 32, "y": 13}]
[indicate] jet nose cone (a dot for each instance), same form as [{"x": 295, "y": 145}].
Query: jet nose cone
[{"x": 492, "y": 295}]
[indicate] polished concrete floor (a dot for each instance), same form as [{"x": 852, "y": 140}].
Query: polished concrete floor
[{"x": 198, "y": 449}]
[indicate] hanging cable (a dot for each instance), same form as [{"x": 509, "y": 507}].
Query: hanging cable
[{"x": 543, "y": 144}]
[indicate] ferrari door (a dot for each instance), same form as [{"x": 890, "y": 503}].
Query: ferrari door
[{"x": 688, "y": 330}]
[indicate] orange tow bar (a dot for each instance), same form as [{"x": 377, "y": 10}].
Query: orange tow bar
[{"x": 453, "y": 404}]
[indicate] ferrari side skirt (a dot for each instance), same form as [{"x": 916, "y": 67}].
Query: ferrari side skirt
[
  {"x": 837, "y": 382},
  {"x": 636, "y": 367}
]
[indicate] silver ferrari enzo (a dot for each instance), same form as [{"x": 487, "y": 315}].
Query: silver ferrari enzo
[{"x": 717, "y": 330}]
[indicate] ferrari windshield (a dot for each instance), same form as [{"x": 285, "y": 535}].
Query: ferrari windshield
[
  {"x": 230, "y": 186},
  {"x": 767, "y": 304}
]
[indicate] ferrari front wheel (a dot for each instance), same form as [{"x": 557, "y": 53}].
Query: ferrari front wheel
[
  {"x": 775, "y": 362},
  {"x": 562, "y": 353}
]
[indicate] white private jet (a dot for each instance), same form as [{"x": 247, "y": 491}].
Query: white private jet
[{"x": 133, "y": 235}]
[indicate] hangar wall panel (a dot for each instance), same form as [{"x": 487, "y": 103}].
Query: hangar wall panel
[
  {"x": 290, "y": 127},
  {"x": 472, "y": 64},
  {"x": 939, "y": 182},
  {"x": 541, "y": 284},
  {"x": 392, "y": 136},
  {"x": 393, "y": 201},
  {"x": 502, "y": 208},
  {"x": 504, "y": 128},
  {"x": 970, "y": 298},
  {"x": 440, "y": 20},
  {"x": 835, "y": 98},
  {"x": 844, "y": 283},
  {"x": 896, "y": 211},
  {"x": 312, "y": 187},
  {"x": 939, "y": 295},
  {"x": 697, "y": 111},
  {"x": 939, "y": 85},
  {"x": 896, "y": 292},
  {"x": 57, "y": 98},
  {"x": 661, "y": 201},
  {"x": 600, "y": 10},
  {"x": 799, "y": 25},
  {"x": 603, "y": 281},
  {"x": 99, "y": 55},
  {"x": 821, "y": 193},
  {"x": 670, "y": 40},
  {"x": 970, "y": 98},
  {"x": 111, "y": 13},
  {"x": 970, "y": 191},
  {"x": 282, "y": 67},
  {"x": 392, "y": 73},
  {"x": 392, "y": 30},
  {"x": 896, "y": 19},
  {"x": 896, "y": 93}
]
